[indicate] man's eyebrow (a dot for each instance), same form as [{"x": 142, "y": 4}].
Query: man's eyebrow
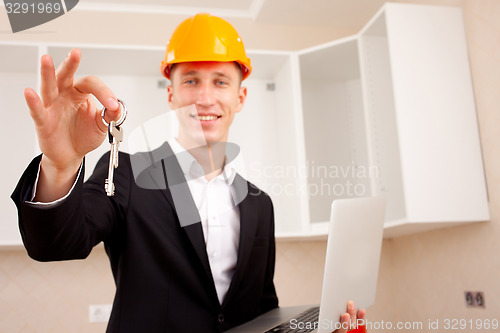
[
  {"x": 216, "y": 74},
  {"x": 193, "y": 72},
  {"x": 224, "y": 75}
]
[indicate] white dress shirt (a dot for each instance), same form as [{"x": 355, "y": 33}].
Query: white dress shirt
[{"x": 220, "y": 217}]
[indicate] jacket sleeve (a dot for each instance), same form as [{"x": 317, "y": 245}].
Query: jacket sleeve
[
  {"x": 73, "y": 226},
  {"x": 269, "y": 299}
]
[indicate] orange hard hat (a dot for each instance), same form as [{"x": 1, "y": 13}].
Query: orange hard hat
[{"x": 204, "y": 37}]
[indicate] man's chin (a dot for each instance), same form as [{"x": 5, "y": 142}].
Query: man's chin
[
  {"x": 211, "y": 137},
  {"x": 200, "y": 141},
  {"x": 212, "y": 140}
]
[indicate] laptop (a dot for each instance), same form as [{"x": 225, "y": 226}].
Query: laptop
[{"x": 355, "y": 230}]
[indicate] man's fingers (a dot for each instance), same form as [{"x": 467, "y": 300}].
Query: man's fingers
[
  {"x": 97, "y": 116},
  {"x": 93, "y": 85},
  {"x": 34, "y": 104},
  {"x": 362, "y": 314},
  {"x": 351, "y": 310},
  {"x": 48, "y": 88},
  {"x": 66, "y": 71},
  {"x": 344, "y": 324}
]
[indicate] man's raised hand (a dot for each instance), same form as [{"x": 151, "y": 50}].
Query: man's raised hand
[{"x": 67, "y": 121}]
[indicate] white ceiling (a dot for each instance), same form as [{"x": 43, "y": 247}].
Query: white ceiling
[
  {"x": 216, "y": 4},
  {"x": 344, "y": 14},
  {"x": 231, "y": 4}
]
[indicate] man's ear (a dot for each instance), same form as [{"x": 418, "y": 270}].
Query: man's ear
[
  {"x": 170, "y": 95},
  {"x": 242, "y": 96}
]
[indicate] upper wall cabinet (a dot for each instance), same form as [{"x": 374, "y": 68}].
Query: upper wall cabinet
[
  {"x": 391, "y": 111},
  {"x": 387, "y": 111},
  {"x": 423, "y": 130}
]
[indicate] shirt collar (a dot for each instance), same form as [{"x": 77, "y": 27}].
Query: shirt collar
[{"x": 193, "y": 170}]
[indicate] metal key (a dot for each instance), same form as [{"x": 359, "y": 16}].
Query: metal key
[{"x": 115, "y": 136}]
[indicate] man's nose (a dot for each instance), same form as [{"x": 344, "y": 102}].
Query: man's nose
[{"x": 206, "y": 94}]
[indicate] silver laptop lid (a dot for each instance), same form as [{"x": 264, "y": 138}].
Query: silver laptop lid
[{"x": 352, "y": 257}]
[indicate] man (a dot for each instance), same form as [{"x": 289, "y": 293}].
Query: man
[{"x": 173, "y": 272}]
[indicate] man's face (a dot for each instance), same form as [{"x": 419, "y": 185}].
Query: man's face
[{"x": 213, "y": 88}]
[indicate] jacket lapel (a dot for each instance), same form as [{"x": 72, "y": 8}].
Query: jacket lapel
[
  {"x": 179, "y": 196},
  {"x": 248, "y": 227},
  {"x": 160, "y": 170}
]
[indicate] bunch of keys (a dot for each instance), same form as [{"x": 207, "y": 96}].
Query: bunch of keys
[{"x": 115, "y": 136}]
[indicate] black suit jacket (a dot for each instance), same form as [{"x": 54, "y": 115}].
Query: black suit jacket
[{"x": 161, "y": 269}]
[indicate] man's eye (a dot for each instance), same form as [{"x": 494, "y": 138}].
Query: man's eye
[
  {"x": 221, "y": 83},
  {"x": 189, "y": 81}
]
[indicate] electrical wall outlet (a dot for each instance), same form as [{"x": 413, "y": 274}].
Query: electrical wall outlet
[
  {"x": 474, "y": 299},
  {"x": 99, "y": 313}
]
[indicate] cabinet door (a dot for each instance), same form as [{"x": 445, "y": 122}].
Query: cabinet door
[{"x": 439, "y": 143}]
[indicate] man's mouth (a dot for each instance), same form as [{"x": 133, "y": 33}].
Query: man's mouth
[{"x": 205, "y": 118}]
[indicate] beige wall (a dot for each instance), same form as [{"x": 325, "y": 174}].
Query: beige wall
[
  {"x": 422, "y": 276},
  {"x": 52, "y": 297}
]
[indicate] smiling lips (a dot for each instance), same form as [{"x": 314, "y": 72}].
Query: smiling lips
[{"x": 206, "y": 117}]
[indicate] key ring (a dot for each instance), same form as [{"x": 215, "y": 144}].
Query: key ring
[{"x": 122, "y": 117}]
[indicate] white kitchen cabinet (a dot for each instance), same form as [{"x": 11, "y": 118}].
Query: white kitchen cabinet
[
  {"x": 389, "y": 110},
  {"x": 18, "y": 70},
  {"x": 423, "y": 130}
]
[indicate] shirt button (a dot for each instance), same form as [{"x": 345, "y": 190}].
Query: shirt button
[{"x": 220, "y": 318}]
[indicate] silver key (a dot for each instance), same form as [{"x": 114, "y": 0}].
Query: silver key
[{"x": 115, "y": 135}]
